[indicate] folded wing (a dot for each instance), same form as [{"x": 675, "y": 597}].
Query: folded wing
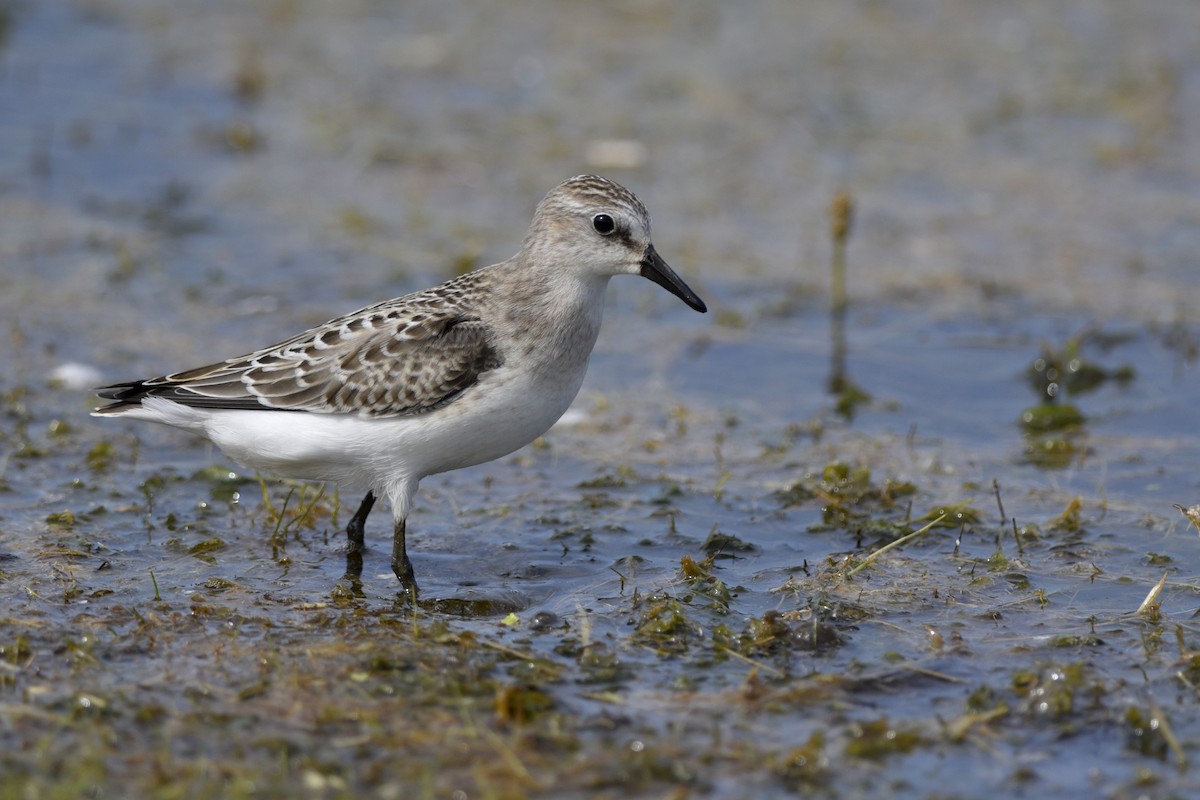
[{"x": 379, "y": 362}]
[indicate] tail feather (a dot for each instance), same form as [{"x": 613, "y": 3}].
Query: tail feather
[
  {"x": 125, "y": 395},
  {"x": 131, "y": 390}
]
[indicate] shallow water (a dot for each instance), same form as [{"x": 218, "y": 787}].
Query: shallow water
[{"x": 180, "y": 183}]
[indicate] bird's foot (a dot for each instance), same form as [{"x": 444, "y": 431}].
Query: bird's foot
[{"x": 401, "y": 565}]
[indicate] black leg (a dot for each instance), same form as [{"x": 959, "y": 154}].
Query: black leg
[
  {"x": 354, "y": 536},
  {"x": 400, "y": 563}
]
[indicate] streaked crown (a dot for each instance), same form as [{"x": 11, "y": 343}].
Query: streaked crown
[
  {"x": 571, "y": 207},
  {"x": 589, "y": 191},
  {"x": 587, "y": 194}
]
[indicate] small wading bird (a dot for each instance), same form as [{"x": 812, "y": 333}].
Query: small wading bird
[{"x": 449, "y": 377}]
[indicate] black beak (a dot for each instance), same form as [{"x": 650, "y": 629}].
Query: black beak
[{"x": 657, "y": 270}]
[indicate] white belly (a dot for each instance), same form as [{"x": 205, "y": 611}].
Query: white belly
[{"x": 499, "y": 415}]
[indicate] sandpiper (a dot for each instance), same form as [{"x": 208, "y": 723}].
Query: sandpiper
[{"x": 449, "y": 377}]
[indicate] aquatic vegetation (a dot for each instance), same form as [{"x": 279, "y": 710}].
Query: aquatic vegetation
[
  {"x": 847, "y": 493},
  {"x": 1055, "y": 431}
]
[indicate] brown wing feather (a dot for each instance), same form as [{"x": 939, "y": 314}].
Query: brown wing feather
[
  {"x": 385, "y": 373},
  {"x": 396, "y": 358}
]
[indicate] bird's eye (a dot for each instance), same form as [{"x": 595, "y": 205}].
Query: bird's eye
[{"x": 603, "y": 224}]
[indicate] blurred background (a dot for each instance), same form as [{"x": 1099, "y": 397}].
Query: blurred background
[{"x": 296, "y": 151}]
